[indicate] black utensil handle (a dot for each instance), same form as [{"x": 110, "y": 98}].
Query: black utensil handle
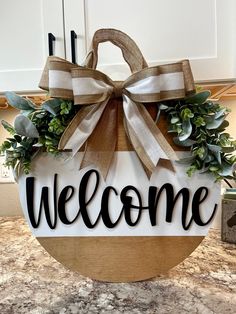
[
  {"x": 73, "y": 37},
  {"x": 51, "y": 39}
]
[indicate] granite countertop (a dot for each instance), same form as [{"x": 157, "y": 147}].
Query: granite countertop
[{"x": 33, "y": 282}]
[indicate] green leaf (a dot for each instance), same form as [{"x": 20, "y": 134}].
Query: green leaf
[
  {"x": 5, "y": 146},
  {"x": 25, "y": 127},
  {"x": 162, "y": 107},
  {"x": 19, "y": 102},
  {"x": 26, "y": 112},
  {"x": 187, "y": 143},
  {"x": 171, "y": 131},
  {"x": 187, "y": 130},
  {"x": 40, "y": 116},
  {"x": 16, "y": 171},
  {"x": 199, "y": 121},
  {"x": 214, "y": 148},
  {"x": 7, "y": 126},
  {"x": 201, "y": 152},
  {"x": 218, "y": 157},
  {"x": 52, "y": 105},
  {"x": 191, "y": 170},
  {"x": 186, "y": 160},
  {"x": 216, "y": 151},
  {"x": 213, "y": 123},
  {"x": 223, "y": 126},
  {"x": 17, "y": 138},
  {"x": 158, "y": 115},
  {"x": 198, "y": 98},
  {"x": 208, "y": 158},
  {"x": 174, "y": 120},
  {"x": 204, "y": 169},
  {"x": 220, "y": 113},
  {"x": 227, "y": 170},
  {"x": 213, "y": 168},
  {"x": 186, "y": 113},
  {"x": 38, "y": 144},
  {"x": 30, "y": 103},
  {"x": 228, "y": 149}
]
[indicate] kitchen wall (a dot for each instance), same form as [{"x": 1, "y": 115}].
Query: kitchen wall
[{"x": 9, "y": 200}]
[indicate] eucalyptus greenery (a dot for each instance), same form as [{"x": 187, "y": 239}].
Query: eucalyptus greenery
[
  {"x": 197, "y": 124},
  {"x": 35, "y": 128}
]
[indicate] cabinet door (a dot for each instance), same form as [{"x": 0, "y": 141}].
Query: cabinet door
[
  {"x": 24, "y": 28},
  {"x": 167, "y": 31},
  {"x": 74, "y": 18}
]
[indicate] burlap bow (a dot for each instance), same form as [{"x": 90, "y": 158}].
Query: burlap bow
[{"x": 96, "y": 122}]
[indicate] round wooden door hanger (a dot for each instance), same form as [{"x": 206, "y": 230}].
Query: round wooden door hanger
[{"x": 117, "y": 218}]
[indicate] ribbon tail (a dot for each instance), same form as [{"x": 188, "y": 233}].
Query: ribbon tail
[
  {"x": 147, "y": 166},
  {"x": 81, "y": 127},
  {"x": 146, "y": 138},
  {"x": 102, "y": 142}
]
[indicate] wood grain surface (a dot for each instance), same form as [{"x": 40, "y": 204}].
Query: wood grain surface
[{"x": 120, "y": 259}]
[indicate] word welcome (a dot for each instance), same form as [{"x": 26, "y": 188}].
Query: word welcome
[{"x": 61, "y": 199}]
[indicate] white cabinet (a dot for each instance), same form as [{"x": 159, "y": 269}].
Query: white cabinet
[
  {"x": 203, "y": 31},
  {"x": 74, "y": 18},
  {"x": 24, "y": 28},
  {"x": 166, "y": 31}
]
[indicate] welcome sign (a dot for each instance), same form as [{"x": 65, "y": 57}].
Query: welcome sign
[
  {"x": 119, "y": 205},
  {"x": 126, "y": 228}
]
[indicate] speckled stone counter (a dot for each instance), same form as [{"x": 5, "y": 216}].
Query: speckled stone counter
[{"x": 32, "y": 282}]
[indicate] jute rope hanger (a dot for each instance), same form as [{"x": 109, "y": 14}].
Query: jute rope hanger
[{"x": 130, "y": 51}]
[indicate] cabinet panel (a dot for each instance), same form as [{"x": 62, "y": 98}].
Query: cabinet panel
[
  {"x": 24, "y": 27},
  {"x": 74, "y": 21},
  {"x": 167, "y": 31}
]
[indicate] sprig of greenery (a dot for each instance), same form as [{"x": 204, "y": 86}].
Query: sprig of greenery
[
  {"x": 200, "y": 126},
  {"x": 45, "y": 125},
  {"x": 18, "y": 149}
]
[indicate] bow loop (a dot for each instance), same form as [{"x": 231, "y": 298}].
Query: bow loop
[
  {"x": 90, "y": 86},
  {"x": 164, "y": 82}
]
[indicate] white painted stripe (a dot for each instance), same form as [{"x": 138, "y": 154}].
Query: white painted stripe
[
  {"x": 60, "y": 79},
  {"x": 155, "y": 84}
]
